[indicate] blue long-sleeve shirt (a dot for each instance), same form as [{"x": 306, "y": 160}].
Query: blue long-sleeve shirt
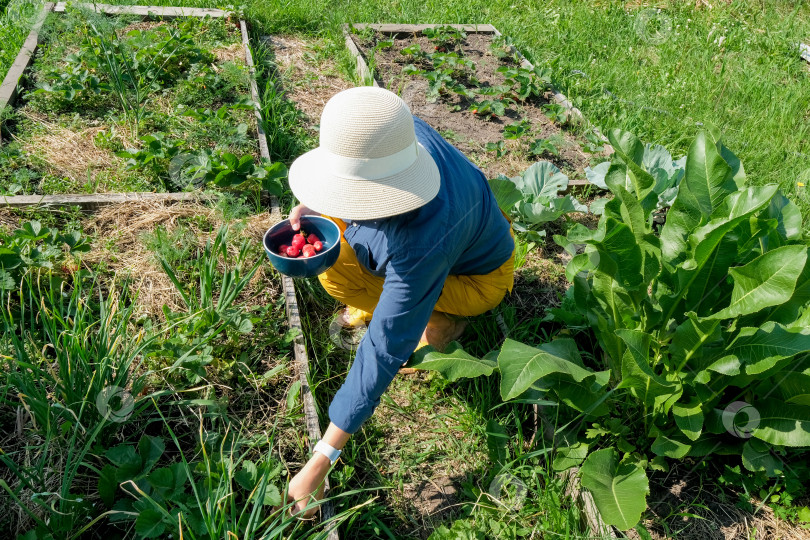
[{"x": 460, "y": 232}]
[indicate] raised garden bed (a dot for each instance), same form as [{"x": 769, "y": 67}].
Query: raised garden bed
[
  {"x": 114, "y": 104},
  {"x": 474, "y": 87},
  {"x": 221, "y": 143}
]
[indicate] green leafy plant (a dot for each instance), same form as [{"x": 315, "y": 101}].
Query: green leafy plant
[
  {"x": 72, "y": 364},
  {"x": 592, "y": 144},
  {"x": 491, "y": 108},
  {"x": 556, "y": 113},
  {"x": 33, "y": 246},
  {"x": 533, "y": 199},
  {"x": 543, "y": 146},
  {"x": 526, "y": 83},
  {"x": 655, "y": 161},
  {"x": 517, "y": 130},
  {"x": 689, "y": 322},
  {"x": 200, "y": 333},
  {"x": 413, "y": 51},
  {"x": 445, "y": 38},
  {"x": 502, "y": 47},
  {"x": 222, "y": 490},
  {"x": 498, "y": 147},
  {"x": 226, "y": 170}
]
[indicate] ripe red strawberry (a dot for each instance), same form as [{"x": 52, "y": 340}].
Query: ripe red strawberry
[
  {"x": 293, "y": 251},
  {"x": 312, "y": 239},
  {"x": 308, "y": 251},
  {"x": 318, "y": 245},
  {"x": 283, "y": 250},
  {"x": 298, "y": 241}
]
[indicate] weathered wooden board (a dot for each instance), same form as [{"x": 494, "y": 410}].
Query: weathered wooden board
[
  {"x": 291, "y": 303},
  {"x": 804, "y": 50},
  {"x": 94, "y": 201},
  {"x": 165, "y": 12},
  {"x": 11, "y": 82}
]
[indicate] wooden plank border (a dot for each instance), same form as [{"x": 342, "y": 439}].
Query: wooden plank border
[
  {"x": 804, "y": 51},
  {"x": 367, "y": 75},
  {"x": 164, "y": 12},
  {"x": 92, "y": 202},
  {"x": 97, "y": 200},
  {"x": 11, "y": 82},
  {"x": 291, "y": 303}
]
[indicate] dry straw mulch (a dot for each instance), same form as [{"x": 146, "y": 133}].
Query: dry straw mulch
[{"x": 119, "y": 231}]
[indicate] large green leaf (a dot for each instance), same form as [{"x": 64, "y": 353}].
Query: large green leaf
[
  {"x": 757, "y": 456},
  {"x": 689, "y": 418},
  {"x": 542, "y": 180},
  {"x": 735, "y": 208},
  {"x": 795, "y": 388},
  {"x": 637, "y": 375},
  {"x": 669, "y": 447},
  {"x": 506, "y": 193},
  {"x": 768, "y": 280},
  {"x": 707, "y": 181},
  {"x": 789, "y": 311},
  {"x": 756, "y": 350},
  {"x": 521, "y": 365},
  {"x": 541, "y": 212},
  {"x": 782, "y": 425},
  {"x": 453, "y": 364},
  {"x": 619, "y": 489},
  {"x": 691, "y": 339}
]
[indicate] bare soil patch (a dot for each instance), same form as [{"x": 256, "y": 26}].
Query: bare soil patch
[
  {"x": 309, "y": 78},
  {"x": 450, "y": 115}
]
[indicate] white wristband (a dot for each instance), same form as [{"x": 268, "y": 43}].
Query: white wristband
[{"x": 327, "y": 450}]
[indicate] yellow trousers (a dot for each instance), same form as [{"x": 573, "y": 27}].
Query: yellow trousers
[{"x": 463, "y": 296}]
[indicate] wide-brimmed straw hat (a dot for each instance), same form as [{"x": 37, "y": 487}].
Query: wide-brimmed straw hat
[{"x": 369, "y": 164}]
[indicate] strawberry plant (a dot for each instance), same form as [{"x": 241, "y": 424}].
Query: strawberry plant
[
  {"x": 543, "y": 146},
  {"x": 33, "y": 246},
  {"x": 517, "y": 130},
  {"x": 413, "y": 51},
  {"x": 438, "y": 82},
  {"x": 490, "y": 108},
  {"x": 533, "y": 199},
  {"x": 445, "y": 38},
  {"x": 453, "y": 64},
  {"x": 526, "y": 83},
  {"x": 503, "y": 47},
  {"x": 498, "y": 147},
  {"x": 556, "y": 113},
  {"x": 703, "y": 331}
]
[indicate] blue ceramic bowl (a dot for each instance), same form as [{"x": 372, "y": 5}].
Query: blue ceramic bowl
[{"x": 326, "y": 231}]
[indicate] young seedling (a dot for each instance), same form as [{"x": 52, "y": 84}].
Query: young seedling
[
  {"x": 543, "y": 146},
  {"x": 384, "y": 44},
  {"x": 498, "y": 147},
  {"x": 556, "y": 113},
  {"x": 491, "y": 109},
  {"x": 525, "y": 83},
  {"x": 502, "y": 47},
  {"x": 517, "y": 130},
  {"x": 445, "y": 38},
  {"x": 592, "y": 143}
]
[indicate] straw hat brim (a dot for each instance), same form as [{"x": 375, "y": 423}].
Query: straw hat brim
[{"x": 354, "y": 199}]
